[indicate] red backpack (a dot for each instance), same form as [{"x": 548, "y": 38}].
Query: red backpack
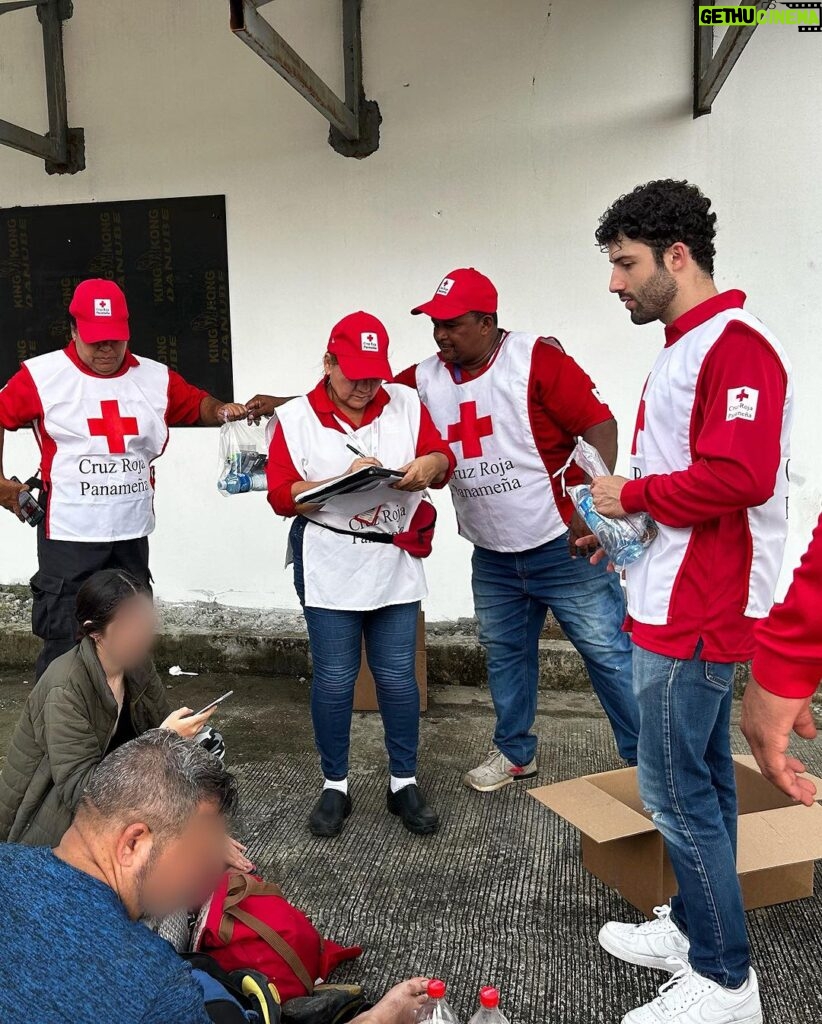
[{"x": 248, "y": 923}]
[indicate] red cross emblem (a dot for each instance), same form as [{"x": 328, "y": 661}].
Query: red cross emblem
[
  {"x": 113, "y": 427},
  {"x": 742, "y": 396},
  {"x": 470, "y": 430}
]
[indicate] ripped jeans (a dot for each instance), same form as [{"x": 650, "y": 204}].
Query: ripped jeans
[{"x": 687, "y": 781}]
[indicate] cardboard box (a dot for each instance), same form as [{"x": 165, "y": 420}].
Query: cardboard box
[
  {"x": 778, "y": 840},
  {"x": 365, "y": 691}
]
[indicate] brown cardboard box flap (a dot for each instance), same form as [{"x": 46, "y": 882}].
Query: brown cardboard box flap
[
  {"x": 753, "y": 787},
  {"x": 779, "y": 840},
  {"x": 593, "y": 810},
  {"x": 774, "y": 838}
]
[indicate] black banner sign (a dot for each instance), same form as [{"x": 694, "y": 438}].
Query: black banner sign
[{"x": 168, "y": 255}]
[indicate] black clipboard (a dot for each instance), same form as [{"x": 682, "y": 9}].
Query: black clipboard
[{"x": 365, "y": 479}]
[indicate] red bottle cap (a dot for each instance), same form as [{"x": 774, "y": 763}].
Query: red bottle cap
[
  {"x": 489, "y": 997},
  {"x": 436, "y": 989}
]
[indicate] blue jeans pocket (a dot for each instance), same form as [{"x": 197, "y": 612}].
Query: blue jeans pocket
[{"x": 720, "y": 674}]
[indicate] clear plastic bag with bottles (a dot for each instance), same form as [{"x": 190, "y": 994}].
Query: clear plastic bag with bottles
[
  {"x": 243, "y": 458},
  {"x": 623, "y": 540}
]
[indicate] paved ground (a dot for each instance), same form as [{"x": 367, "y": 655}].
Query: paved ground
[{"x": 498, "y": 895}]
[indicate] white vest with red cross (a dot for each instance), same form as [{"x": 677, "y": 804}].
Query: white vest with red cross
[
  {"x": 99, "y": 436},
  {"x": 341, "y": 570},
  {"x": 662, "y": 444},
  {"x": 502, "y": 491}
]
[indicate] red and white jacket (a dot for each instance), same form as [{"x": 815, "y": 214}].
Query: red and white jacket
[
  {"x": 788, "y": 658},
  {"x": 710, "y": 465},
  {"x": 98, "y": 436}
]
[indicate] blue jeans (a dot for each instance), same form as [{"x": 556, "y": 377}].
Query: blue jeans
[
  {"x": 512, "y": 594},
  {"x": 687, "y": 782},
  {"x": 335, "y": 638}
]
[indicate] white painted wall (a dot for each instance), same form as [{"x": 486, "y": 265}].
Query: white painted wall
[{"x": 509, "y": 125}]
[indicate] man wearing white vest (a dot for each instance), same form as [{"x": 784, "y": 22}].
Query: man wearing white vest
[
  {"x": 709, "y": 463},
  {"x": 101, "y": 417},
  {"x": 511, "y": 405}
]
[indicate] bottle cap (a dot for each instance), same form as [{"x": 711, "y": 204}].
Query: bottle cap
[
  {"x": 489, "y": 997},
  {"x": 436, "y": 989}
]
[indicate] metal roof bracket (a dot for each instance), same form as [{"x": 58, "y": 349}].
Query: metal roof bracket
[
  {"x": 711, "y": 69},
  {"x": 355, "y": 121},
  {"x": 61, "y": 148}
]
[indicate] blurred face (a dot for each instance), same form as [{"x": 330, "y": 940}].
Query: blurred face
[
  {"x": 183, "y": 873},
  {"x": 646, "y": 288},
  {"x": 465, "y": 339},
  {"x": 105, "y": 357},
  {"x": 128, "y": 639},
  {"x": 350, "y": 394}
]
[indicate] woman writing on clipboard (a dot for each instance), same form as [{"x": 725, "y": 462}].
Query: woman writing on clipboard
[{"x": 358, "y": 556}]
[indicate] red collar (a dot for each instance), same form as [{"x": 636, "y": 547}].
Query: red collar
[
  {"x": 129, "y": 362},
  {"x": 329, "y": 414},
  {"x": 698, "y": 314}
]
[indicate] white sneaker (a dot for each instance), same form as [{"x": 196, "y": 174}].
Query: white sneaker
[
  {"x": 497, "y": 771},
  {"x": 650, "y": 944},
  {"x": 688, "y": 998}
]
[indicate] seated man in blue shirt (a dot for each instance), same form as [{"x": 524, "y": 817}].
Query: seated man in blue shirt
[{"x": 148, "y": 838}]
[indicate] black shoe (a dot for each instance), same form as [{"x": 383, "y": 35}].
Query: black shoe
[
  {"x": 329, "y": 814},
  {"x": 334, "y": 1004},
  {"x": 417, "y": 816}
]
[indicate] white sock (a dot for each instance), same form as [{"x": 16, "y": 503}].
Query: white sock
[
  {"x": 341, "y": 786},
  {"x": 398, "y": 784}
]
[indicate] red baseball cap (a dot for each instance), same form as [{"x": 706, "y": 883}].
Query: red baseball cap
[
  {"x": 99, "y": 307},
  {"x": 462, "y": 291},
  {"x": 360, "y": 343}
]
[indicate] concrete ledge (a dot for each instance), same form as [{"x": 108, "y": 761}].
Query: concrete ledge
[
  {"x": 452, "y": 660},
  {"x": 207, "y": 637}
]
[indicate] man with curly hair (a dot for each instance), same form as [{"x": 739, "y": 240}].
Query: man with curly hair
[{"x": 709, "y": 464}]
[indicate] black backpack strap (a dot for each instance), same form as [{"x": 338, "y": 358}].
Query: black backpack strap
[
  {"x": 379, "y": 538},
  {"x": 229, "y": 1004}
]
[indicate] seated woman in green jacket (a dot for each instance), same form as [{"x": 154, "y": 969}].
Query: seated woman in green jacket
[{"x": 97, "y": 696}]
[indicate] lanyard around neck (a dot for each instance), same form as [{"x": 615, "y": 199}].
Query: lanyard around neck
[
  {"x": 485, "y": 362},
  {"x": 358, "y": 441}
]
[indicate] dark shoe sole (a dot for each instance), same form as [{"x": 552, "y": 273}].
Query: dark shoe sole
[
  {"x": 499, "y": 785},
  {"x": 322, "y": 832},
  {"x": 418, "y": 830}
]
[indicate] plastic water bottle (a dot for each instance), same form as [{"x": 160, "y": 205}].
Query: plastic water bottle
[
  {"x": 489, "y": 1011},
  {"x": 622, "y": 543},
  {"x": 239, "y": 483},
  {"x": 435, "y": 1007}
]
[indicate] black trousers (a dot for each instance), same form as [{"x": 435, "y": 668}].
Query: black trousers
[{"x": 64, "y": 565}]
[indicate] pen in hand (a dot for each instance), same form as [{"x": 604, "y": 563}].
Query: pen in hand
[{"x": 356, "y": 451}]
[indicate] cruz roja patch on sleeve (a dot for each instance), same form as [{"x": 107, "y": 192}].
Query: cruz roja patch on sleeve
[{"x": 742, "y": 403}]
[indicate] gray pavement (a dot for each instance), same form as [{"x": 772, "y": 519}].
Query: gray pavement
[{"x": 499, "y": 895}]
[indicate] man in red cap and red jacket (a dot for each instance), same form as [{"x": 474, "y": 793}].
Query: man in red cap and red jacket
[
  {"x": 511, "y": 405},
  {"x": 786, "y": 671},
  {"x": 100, "y": 416}
]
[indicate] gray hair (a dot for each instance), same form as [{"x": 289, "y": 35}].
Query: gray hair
[{"x": 160, "y": 779}]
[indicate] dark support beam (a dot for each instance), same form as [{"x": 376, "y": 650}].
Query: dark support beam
[
  {"x": 16, "y": 5},
  {"x": 354, "y": 121},
  {"x": 711, "y": 69},
  {"x": 352, "y": 55},
  {"x": 62, "y": 148}
]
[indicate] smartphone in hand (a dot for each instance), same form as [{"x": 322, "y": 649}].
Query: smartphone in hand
[{"x": 213, "y": 704}]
